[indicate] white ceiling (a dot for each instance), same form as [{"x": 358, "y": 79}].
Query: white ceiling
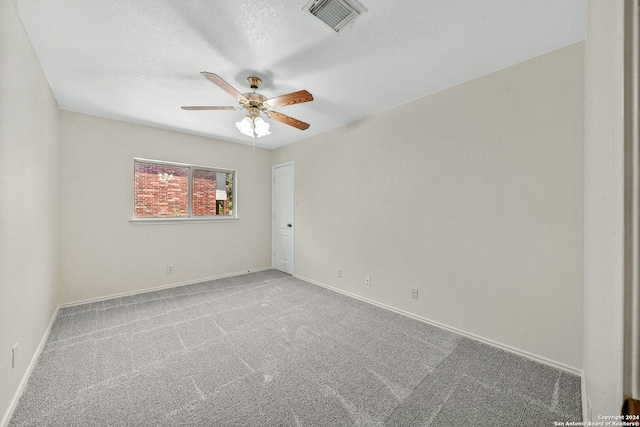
[{"x": 140, "y": 60}]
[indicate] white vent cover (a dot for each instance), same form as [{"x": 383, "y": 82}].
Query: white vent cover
[{"x": 335, "y": 13}]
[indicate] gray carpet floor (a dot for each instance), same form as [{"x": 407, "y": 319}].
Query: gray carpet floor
[{"x": 266, "y": 349}]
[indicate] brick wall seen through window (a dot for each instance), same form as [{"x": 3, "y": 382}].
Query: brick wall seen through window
[{"x": 162, "y": 190}]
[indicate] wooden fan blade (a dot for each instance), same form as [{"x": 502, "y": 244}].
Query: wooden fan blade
[
  {"x": 205, "y": 107},
  {"x": 214, "y": 78},
  {"x": 290, "y": 99},
  {"x": 282, "y": 118}
]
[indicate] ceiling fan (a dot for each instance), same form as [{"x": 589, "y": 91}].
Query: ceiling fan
[{"x": 253, "y": 125}]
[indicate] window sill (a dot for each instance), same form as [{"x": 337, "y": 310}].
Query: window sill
[{"x": 139, "y": 221}]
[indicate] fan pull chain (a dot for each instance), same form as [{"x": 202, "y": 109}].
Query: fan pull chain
[{"x": 255, "y": 135}]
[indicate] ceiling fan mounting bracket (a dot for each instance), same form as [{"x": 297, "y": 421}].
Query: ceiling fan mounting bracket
[{"x": 254, "y": 82}]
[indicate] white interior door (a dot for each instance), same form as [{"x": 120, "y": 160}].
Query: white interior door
[{"x": 283, "y": 226}]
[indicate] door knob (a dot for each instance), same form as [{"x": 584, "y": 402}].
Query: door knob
[{"x": 289, "y": 225}]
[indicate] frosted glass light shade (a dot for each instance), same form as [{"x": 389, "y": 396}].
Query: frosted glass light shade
[
  {"x": 261, "y": 127},
  {"x": 245, "y": 126},
  {"x": 256, "y": 127}
]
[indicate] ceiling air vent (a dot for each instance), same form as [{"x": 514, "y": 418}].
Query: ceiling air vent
[{"x": 335, "y": 13}]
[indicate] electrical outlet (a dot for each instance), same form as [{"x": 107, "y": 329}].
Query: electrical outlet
[
  {"x": 170, "y": 269},
  {"x": 367, "y": 280},
  {"x": 14, "y": 355},
  {"x": 414, "y": 293},
  {"x": 339, "y": 272}
]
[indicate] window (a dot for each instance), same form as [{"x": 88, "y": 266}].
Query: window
[{"x": 164, "y": 190}]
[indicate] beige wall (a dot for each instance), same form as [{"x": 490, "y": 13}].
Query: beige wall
[
  {"x": 474, "y": 195},
  {"x": 103, "y": 253},
  {"x": 604, "y": 204},
  {"x": 29, "y": 141}
]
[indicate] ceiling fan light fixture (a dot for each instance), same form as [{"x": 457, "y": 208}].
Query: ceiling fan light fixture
[{"x": 253, "y": 127}]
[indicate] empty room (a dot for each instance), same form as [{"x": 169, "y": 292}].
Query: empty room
[{"x": 319, "y": 213}]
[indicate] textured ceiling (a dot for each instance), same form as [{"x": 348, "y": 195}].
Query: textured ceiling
[{"x": 139, "y": 61}]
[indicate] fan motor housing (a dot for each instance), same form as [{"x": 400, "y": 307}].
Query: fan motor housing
[{"x": 255, "y": 100}]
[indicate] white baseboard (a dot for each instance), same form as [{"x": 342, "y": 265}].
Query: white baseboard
[
  {"x": 158, "y": 288},
  {"x": 501, "y": 346},
  {"x": 16, "y": 397}
]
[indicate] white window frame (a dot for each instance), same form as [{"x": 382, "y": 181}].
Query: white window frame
[{"x": 190, "y": 218}]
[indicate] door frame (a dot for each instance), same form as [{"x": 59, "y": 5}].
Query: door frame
[
  {"x": 631, "y": 351},
  {"x": 273, "y": 213}
]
